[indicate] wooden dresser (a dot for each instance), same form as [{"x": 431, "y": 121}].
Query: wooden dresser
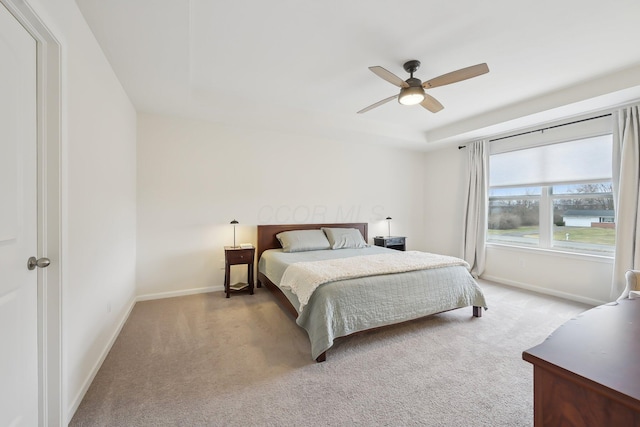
[{"x": 587, "y": 373}]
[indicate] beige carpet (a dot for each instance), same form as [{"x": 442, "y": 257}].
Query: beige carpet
[{"x": 204, "y": 360}]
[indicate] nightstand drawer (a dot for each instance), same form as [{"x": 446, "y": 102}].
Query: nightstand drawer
[
  {"x": 395, "y": 241},
  {"x": 391, "y": 242},
  {"x": 239, "y": 256}
]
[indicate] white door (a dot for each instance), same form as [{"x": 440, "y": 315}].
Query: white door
[{"x": 18, "y": 227}]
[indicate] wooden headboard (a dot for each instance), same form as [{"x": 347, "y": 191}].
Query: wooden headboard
[{"x": 267, "y": 233}]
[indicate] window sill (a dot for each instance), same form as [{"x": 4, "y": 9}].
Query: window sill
[{"x": 608, "y": 259}]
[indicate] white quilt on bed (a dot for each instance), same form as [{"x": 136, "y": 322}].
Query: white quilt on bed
[{"x": 302, "y": 278}]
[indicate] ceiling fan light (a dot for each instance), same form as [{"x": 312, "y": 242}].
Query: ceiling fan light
[{"x": 411, "y": 95}]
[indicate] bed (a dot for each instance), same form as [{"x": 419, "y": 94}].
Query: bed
[{"x": 354, "y": 304}]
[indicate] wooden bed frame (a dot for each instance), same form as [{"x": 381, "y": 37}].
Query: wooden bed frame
[{"x": 267, "y": 240}]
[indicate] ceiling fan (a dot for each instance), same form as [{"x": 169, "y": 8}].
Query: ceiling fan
[{"x": 412, "y": 90}]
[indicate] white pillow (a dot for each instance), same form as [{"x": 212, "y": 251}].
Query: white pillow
[
  {"x": 303, "y": 240},
  {"x": 344, "y": 238}
]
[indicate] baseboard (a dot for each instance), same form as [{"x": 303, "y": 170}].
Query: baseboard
[
  {"x": 171, "y": 294},
  {"x": 96, "y": 367},
  {"x": 546, "y": 291}
]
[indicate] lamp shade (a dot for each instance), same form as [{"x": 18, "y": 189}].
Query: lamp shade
[{"x": 234, "y": 222}]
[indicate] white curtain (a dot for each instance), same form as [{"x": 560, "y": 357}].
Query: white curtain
[
  {"x": 626, "y": 196},
  {"x": 475, "y": 207}
]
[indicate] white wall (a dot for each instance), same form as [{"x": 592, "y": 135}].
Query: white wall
[
  {"x": 581, "y": 278},
  {"x": 444, "y": 187},
  {"x": 194, "y": 177},
  {"x": 99, "y": 199}
]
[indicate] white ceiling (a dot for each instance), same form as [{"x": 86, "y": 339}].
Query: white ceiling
[{"x": 301, "y": 65}]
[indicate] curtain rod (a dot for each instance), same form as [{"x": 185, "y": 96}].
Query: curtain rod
[{"x": 542, "y": 129}]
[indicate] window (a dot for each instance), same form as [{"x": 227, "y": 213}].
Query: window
[{"x": 554, "y": 196}]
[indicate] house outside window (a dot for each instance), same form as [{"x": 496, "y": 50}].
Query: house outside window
[
  {"x": 587, "y": 218},
  {"x": 555, "y": 196}
]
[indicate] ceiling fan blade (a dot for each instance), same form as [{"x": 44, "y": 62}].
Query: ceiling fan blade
[
  {"x": 431, "y": 104},
  {"x": 377, "y": 104},
  {"x": 388, "y": 76},
  {"x": 457, "y": 76}
]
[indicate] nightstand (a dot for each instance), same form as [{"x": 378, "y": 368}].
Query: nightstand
[
  {"x": 238, "y": 256},
  {"x": 391, "y": 242}
]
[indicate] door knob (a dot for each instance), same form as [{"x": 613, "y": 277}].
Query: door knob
[{"x": 32, "y": 263}]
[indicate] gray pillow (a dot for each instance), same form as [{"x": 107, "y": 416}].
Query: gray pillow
[
  {"x": 303, "y": 240},
  {"x": 345, "y": 238}
]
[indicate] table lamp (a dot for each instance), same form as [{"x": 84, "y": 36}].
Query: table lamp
[{"x": 389, "y": 226}]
